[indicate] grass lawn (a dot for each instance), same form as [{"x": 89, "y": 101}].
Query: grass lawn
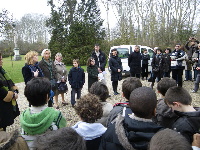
[{"x": 14, "y": 68}]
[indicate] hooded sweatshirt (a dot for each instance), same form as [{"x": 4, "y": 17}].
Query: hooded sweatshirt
[
  {"x": 89, "y": 131},
  {"x": 37, "y": 120}
]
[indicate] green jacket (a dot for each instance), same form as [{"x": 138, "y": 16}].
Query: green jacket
[{"x": 38, "y": 123}]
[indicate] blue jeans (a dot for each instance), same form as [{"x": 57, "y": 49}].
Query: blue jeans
[
  {"x": 188, "y": 75},
  {"x": 73, "y": 92}
]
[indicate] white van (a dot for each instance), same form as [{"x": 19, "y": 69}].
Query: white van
[{"x": 125, "y": 50}]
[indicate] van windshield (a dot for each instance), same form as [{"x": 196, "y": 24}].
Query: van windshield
[{"x": 123, "y": 52}]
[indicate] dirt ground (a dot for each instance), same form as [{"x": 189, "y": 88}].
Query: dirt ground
[{"x": 69, "y": 113}]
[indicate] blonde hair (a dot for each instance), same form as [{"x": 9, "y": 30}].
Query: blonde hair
[
  {"x": 58, "y": 55},
  {"x": 29, "y": 57},
  {"x": 42, "y": 54}
]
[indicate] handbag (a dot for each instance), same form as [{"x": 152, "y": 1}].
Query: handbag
[{"x": 62, "y": 87}]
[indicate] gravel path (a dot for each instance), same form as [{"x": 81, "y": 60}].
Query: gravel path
[{"x": 69, "y": 113}]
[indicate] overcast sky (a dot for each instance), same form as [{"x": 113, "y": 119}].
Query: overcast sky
[{"x": 21, "y": 7}]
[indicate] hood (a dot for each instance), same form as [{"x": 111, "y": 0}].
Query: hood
[
  {"x": 89, "y": 131},
  {"x": 37, "y": 123}
]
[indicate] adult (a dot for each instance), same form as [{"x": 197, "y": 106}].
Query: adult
[
  {"x": 116, "y": 69},
  {"x": 167, "y": 63},
  {"x": 100, "y": 58},
  {"x": 61, "y": 77},
  {"x": 145, "y": 59},
  {"x": 191, "y": 47},
  {"x": 31, "y": 68},
  {"x": 157, "y": 66},
  {"x": 134, "y": 62},
  {"x": 49, "y": 71},
  {"x": 8, "y": 94},
  {"x": 178, "y": 64}
]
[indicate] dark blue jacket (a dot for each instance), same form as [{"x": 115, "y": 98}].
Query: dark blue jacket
[
  {"x": 187, "y": 124},
  {"x": 76, "y": 77},
  {"x": 134, "y": 62},
  {"x": 27, "y": 72}
]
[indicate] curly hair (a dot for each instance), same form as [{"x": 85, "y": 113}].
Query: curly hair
[
  {"x": 29, "y": 57},
  {"x": 100, "y": 89},
  {"x": 89, "y": 108}
]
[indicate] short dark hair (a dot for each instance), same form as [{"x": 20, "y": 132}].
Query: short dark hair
[
  {"x": 178, "y": 94},
  {"x": 169, "y": 49},
  {"x": 158, "y": 49},
  {"x": 169, "y": 139},
  {"x": 164, "y": 84},
  {"x": 99, "y": 89},
  {"x": 64, "y": 138},
  {"x": 96, "y": 44},
  {"x": 89, "y": 108},
  {"x": 114, "y": 50},
  {"x": 129, "y": 84},
  {"x": 143, "y": 102},
  {"x": 89, "y": 61},
  {"x": 37, "y": 91}
]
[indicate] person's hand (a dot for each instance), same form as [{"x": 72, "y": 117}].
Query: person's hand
[
  {"x": 197, "y": 68},
  {"x": 196, "y": 140},
  {"x": 16, "y": 96},
  {"x": 35, "y": 73},
  {"x": 118, "y": 70},
  {"x": 99, "y": 70}
]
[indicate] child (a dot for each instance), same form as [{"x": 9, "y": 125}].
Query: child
[
  {"x": 128, "y": 85},
  {"x": 135, "y": 131},
  {"x": 145, "y": 59},
  {"x": 101, "y": 90},
  {"x": 89, "y": 110},
  {"x": 39, "y": 118},
  {"x": 169, "y": 139},
  {"x": 164, "y": 115},
  {"x": 180, "y": 101},
  {"x": 92, "y": 70},
  {"x": 64, "y": 138},
  {"x": 76, "y": 79}
]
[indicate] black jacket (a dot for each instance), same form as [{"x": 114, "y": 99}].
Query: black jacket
[
  {"x": 101, "y": 63},
  {"x": 134, "y": 62},
  {"x": 187, "y": 124},
  {"x": 145, "y": 58},
  {"x": 76, "y": 77},
  {"x": 27, "y": 72},
  {"x": 128, "y": 133},
  {"x": 157, "y": 62},
  {"x": 115, "y": 64},
  {"x": 92, "y": 75}
]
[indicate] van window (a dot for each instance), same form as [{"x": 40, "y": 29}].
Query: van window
[
  {"x": 150, "y": 53},
  {"x": 123, "y": 52}
]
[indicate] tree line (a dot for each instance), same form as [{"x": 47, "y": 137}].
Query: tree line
[{"x": 74, "y": 26}]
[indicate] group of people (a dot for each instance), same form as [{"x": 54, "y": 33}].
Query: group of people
[
  {"x": 171, "y": 62},
  {"x": 143, "y": 121}
]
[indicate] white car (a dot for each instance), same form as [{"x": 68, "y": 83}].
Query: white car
[{"x": 125, "y": 50}]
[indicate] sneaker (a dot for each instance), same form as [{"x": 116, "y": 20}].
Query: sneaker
[{"x": 193, "y": 91}]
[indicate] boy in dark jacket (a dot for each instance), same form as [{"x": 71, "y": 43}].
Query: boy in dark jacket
[
  {"x": 180, "y": 101},
  {"x": 76, "y": 79},
  {"x": 164, "y": 114},
  {"x": 145, "y": 59},
  {"x": 135, "y": 131},
  {"x": 128, "y": 85}
]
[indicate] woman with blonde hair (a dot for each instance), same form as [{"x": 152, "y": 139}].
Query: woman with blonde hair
[
  {"x": 61, "y": 77},
  {"x": 31, "y": 68},
  {"x": 48, "y": 69}
]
